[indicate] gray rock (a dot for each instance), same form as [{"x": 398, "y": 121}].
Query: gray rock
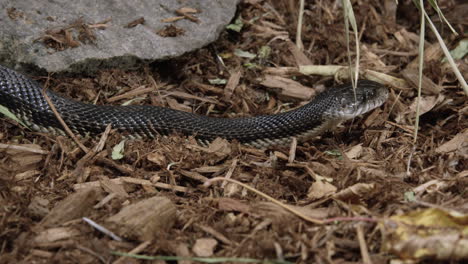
[{"x": 24, "y": 24}]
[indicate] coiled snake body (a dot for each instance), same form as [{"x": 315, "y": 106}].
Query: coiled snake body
[{"x": 23, "y": 97}]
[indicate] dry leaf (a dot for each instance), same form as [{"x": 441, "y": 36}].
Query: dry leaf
[
  {"x": 157, "y": 158},
  {"x": 204, "y": 247},
  {"x": 320, "y": 189},
  {"x": 426, "y": 103},
  {"x": 354, "y": 193},
  {"x": 427, "y": 234},
  {"x": 459, "y": 142},
  {"x": 354, "y": 152},
  {"x": 220, "y": 147}
]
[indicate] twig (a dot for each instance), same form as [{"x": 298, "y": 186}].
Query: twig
[
  {"x": 292, "y": 150},
  {"x": 362, "y": 245},
  {"x": 64, "y": 125},
  {"x": 136, "y": 250}
]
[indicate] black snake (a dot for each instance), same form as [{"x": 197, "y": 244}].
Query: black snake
[{"x": 24, "y": 98}]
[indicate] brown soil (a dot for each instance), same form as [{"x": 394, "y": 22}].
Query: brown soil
[{"x": 369, "y": 164}]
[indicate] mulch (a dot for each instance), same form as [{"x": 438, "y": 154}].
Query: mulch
[{"x": 154, "y": 199}]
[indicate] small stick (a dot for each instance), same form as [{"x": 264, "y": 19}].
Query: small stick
[
  {"x": 64, "y": 125},
  {"x": 136, "y": 250},
  {"x": 362, "y": 245}
]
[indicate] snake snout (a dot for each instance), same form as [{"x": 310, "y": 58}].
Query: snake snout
[{"x": 367, "y": 96}]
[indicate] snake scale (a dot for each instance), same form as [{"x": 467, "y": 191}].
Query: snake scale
[{"x": 24, "y": 98}]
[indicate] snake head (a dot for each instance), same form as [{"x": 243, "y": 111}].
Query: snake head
[{"x": 349, "y": 103}]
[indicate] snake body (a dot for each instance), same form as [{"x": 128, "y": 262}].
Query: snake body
[{"x": 24, "y": 98}]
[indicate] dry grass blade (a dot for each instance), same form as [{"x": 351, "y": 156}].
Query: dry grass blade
[
  {"x": 288, "y": 208},
  {"x": 299, "y": 43},
  {"x": 350, "y": 18},
  {"x": 449, "y": 57}
]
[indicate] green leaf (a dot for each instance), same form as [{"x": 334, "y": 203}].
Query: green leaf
[
  {"x": 6, "y": 112},
  {"x": 251, "y": 65},
  {"x": 237, "y": 25},
  {"x": 264, "y": 52},
  {"x": 459, "y": 51},
  {"x": 217, "y": 81},
  {"x": 409, "y": 197},
  {"x": 333, "y": 152},
  {"x": 244, "y": 54},
  {"x": 118, "y": 150}
]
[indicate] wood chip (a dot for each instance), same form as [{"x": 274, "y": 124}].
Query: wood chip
[
  {"x": 194, "y": 175},
  {"x": 354, "y": 194},
  {"x": 136, "y": 22},
  {"x": 74, "y": 206},
  {"x": 232, "y": 83},
  {"x": 131, "y": 94},
  {"x": 172, "y": 19},
  {"x": 41, "y": 253},
  {"x": 55, "y": 234},
  {"x": 14, "y": 149},
  {"x": 176, "y": 105},
  {"x": 272, "y": 209},
  {"x": 287, "y": 87},
  {"x": 301, "y": 58},
  {"x": 187, "y": 96},
  {"x": 282, "y": 71},
  {"x": 157, "y": 158},
  {"x": 209, "y": 169},
  {"x": 112, "y": 187},
  {"x": 39, "y": 206},
  {"x": 26, "y": 175},
  {"x": 229, "y": 204},
  {"x": 122, "y": 180},
  {"x": 145, "y": 219},
  {"x": 427, "y": 85}
]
